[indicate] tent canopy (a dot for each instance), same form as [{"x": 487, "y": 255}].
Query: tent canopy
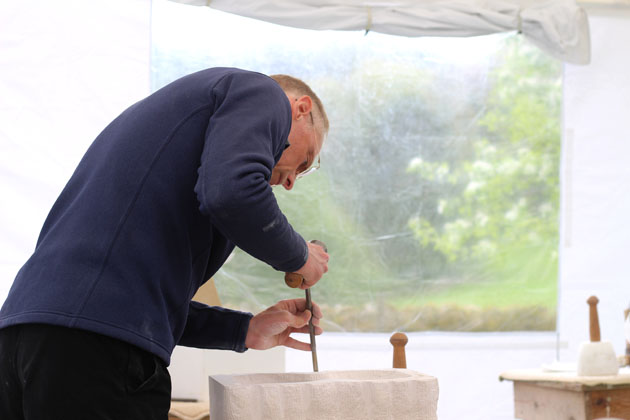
[{"x": 559, "y": 27}]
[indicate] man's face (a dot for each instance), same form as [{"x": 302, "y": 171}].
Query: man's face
[{"x": 304, "y": 146}]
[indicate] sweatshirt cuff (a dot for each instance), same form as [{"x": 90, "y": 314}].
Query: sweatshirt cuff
[
  {"x": 241, "y": 332},
  {"x": 296, "y": 263}
]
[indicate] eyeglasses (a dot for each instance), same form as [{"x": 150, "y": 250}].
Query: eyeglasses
[{"x": 309, "y": 170}]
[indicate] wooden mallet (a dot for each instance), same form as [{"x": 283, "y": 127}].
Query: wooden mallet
[{"x": 596, "y": 357}]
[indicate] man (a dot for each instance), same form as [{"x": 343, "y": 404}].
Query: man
[{"x": 153, "y": 210}]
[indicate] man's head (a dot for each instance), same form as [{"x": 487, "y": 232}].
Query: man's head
[{"x": 309, "y": 127}]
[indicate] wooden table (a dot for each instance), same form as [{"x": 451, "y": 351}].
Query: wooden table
[{"x": 542, "y": 395}]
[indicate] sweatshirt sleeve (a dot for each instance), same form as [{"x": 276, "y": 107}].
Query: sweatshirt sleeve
[
  {"x": 213, "y": 327},
  {"x": 246, "y": 135}
]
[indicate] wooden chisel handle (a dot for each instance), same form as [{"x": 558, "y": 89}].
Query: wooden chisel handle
[{"x": 295, "y": 280}]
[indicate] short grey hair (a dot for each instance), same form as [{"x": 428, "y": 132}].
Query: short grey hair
[{"x": 298, "y": 87}]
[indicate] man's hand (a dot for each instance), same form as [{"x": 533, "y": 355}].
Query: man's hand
[
  {"x": 273, "y": 326},
  {"x": 315, "y": 267}
]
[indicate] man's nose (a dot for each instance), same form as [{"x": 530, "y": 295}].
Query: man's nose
[{"x": 289, "y": 182}]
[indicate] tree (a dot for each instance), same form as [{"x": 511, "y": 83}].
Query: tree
[{"x": 502, "y": 213}]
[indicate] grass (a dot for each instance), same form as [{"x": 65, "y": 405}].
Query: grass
[{"x": 438, "y": 317}]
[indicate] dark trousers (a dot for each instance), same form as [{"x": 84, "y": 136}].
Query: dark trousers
[{"x": 56, "y": 373}]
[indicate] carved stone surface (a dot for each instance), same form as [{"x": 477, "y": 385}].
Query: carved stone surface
[{"x": 399, "y": 394}]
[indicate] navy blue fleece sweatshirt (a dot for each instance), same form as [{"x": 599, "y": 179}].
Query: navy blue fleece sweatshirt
[{"x": 153, "y": 210}]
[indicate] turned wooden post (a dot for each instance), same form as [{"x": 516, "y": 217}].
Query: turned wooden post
[{"x": 399, "y": 340}]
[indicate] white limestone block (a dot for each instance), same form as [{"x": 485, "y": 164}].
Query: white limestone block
[{"x": 399, "y": 394}]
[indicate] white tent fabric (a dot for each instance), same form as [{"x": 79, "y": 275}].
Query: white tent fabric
[
  {"x": 64, "y": 75},
  {"x": 559, "y": 27}
]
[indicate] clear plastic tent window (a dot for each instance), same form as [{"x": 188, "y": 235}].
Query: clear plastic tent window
[{"x": 438, "y": 192}]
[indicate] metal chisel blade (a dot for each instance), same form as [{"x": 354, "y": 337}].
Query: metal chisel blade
[{"x": 311, "y": 330}]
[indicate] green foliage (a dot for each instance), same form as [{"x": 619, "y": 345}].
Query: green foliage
[
  {"x": 426, "y": 202},
  {"x": 502, "y": 216}
]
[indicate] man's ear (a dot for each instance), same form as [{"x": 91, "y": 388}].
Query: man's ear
[{"x": 304, "y": 106}]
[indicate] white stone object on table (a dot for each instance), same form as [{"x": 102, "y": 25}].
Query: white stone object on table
[{"x": 399, "y": 394}]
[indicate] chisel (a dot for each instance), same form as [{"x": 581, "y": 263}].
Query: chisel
[{"x": 294, "y": 280}]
